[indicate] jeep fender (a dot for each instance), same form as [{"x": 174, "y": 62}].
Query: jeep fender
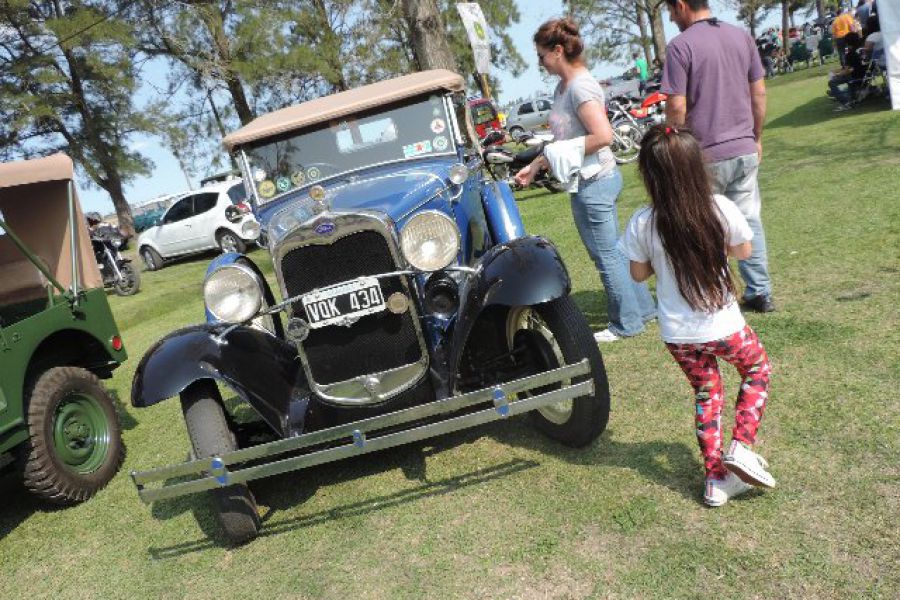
[
  {"x": 261, "y": 368},
  {"x": 522, "y": 272}
]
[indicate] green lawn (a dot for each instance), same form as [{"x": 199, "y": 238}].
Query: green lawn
[{"x": 500, "y": 512}]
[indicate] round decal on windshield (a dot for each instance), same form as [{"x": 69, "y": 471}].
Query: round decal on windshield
[
  {"x": 283, "y": 184},
  {"x": 440, "y": 143},
  {"x": 259, "y": 175},
  {"x": 298, "y": 177},
  {"x": 438, "y": 126},
  {"x": 313, "y": 173},
  {"x": 266, "y": 189}
]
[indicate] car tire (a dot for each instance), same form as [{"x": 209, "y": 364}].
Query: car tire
[
  {"x": 152, "y": 260},
  {"x": 229, "y": 241},
  {"x": 515, "y": 131},
  {"x": 130, "y": 282},
  {"x": 210, "y": 435},
  {"x": 554, "y": 333},
  {"x": 74, "y": 445}
]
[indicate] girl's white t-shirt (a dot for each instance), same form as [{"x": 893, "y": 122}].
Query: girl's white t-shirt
[{"x": 679, "y": 323}]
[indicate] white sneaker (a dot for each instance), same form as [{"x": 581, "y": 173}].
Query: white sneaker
[
  {"x": 720, "y": 491},
  {"x": 748, "y": 465},
  {"x": 606, "y": 336}
]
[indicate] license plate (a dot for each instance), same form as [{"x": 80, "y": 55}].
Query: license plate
[{"x": 343, "y": 303}]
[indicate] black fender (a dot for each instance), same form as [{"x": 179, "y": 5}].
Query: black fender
[
  {"x": 522, "y": 272},
  {"x": 262, "y": 369}
]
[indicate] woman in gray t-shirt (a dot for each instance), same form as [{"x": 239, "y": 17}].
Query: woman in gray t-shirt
[{"x": 579, "y": 111}]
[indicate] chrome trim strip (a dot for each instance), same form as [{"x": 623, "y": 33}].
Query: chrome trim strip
[{"x": 504, "y": 405}]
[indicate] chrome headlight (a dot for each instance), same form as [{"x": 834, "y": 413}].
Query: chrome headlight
[
  {"x": 430, "y": 240},
  {"x": 233, "y": 294}
]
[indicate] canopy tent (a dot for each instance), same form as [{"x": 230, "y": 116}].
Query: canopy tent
[{"x": 889, "y": 19}]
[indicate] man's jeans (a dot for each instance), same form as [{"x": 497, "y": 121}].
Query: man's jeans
[
  {"x": 736, "y": 179},
  {"x": 629, "y": 304},
  {"x": 840, "y": 94}
]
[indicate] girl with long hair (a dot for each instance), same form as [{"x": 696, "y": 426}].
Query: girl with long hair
[
  {"x": 684, "y": 237},
  {"x": 579, "y": 114}
]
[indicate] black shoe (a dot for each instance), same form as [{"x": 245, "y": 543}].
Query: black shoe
[{"x": 760, "y": 304}]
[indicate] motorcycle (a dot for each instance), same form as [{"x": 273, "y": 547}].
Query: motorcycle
[
  {"x": 117, "y": 271},
  {"x": 627, "y": 131},
  {"x": 503, "y": 164}
]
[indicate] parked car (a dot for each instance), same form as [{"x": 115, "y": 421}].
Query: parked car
[
  {"x": 216, "y": 216},
  {"x": 412, "y": 303},
  {"x": 532, "y": 115},
  {"x": 58, "y": 338},
  {"x": 484, "y": 116}
]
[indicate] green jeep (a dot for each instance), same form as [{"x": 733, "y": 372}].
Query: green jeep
[{"x": 57, "y": 338}]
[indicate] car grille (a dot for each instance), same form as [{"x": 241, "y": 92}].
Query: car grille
[{"x": 374, "y": 343}]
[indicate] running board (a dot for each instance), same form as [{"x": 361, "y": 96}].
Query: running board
[{"x": 213, "y": 472}]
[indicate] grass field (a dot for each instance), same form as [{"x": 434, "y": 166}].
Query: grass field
[{"x": 500, "y": 512}]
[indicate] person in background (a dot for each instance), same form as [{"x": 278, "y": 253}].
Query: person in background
[
  {"x": 715, "y": 83},
  {"x": 843, "y": 24},
  {"x": 640, "y": 65},
  {"x": 578, "y": 121},
  {"x": 657, "y": 66},
  {"x": 685, "y": 237},
  {"x": 863, "y": 10},
  {"x": 875, "y": 41},
  {"x": 851, "y": 74}
]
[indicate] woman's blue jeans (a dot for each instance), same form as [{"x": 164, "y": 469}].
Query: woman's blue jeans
[{"x": 629, "y": 304}]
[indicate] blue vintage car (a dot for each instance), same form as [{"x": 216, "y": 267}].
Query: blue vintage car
[{"x": 410, "y": 302}]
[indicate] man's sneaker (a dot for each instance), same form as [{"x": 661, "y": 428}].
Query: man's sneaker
[
  {"x": 720, "y": 491},
  {"x": 748, "y": 465},
  {"x": 606, "y": 336},
  {"x": 761, "y": 304}
]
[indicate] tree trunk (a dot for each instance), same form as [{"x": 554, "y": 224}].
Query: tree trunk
[
  {"x": 820, "y": 8},
  {"x": 657, "y": 30},
  {"x": 642, "y": 27},
  {"x": 113, "y": 186},
  {"x": 785, "y": 16},
  {"x": 215, "y": 23},
  {"x": 429, "y": 38}
]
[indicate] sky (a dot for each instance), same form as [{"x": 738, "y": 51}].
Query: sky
[{"x": 168, "y": 178}]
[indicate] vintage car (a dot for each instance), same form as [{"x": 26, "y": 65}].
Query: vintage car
[
  {"x": 412, "y": 302},
  {"x": 57, "y": 338}
]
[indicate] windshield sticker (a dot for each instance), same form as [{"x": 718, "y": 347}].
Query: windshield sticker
[
  {"x": 438, "y": 126},
  {"x": 313, "y": 173},
  {"x": 266, "y": 189},
  {"x": 259, "y": 175},
  {"x": 440, "y": 143},
  {"x": 283, "y": 184},
  {"x": 298, "y": 178},
  {"x": 423, "y": 147}
]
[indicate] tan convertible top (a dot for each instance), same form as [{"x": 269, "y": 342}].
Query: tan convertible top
[
  {"x": 338, "y": 105},
  {"x": 56, "y": 167}
]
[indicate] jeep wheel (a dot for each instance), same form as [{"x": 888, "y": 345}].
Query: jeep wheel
[
  {"x": 553, "y": 334},
  {"x": 152, "y": 260},
  {"x": 75, "y": 441},
  {"x": 208, "y": 430},
  {"x": 229, "y": 241},
  {"x": 130, "y": 282}
]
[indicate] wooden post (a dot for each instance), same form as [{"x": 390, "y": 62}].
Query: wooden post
[{"x": 485, "y": 86}]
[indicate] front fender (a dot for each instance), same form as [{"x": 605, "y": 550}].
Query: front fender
[
  {"x": 262, "y": 369},
  {"x": 522, "y": 272}
]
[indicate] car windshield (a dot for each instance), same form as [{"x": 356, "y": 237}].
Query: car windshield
[{"x": 397, "y": 133}]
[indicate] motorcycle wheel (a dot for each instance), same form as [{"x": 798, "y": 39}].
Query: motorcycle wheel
[
  {"x": 626, "y": 141},
  {"x": 130, "y": 282}
]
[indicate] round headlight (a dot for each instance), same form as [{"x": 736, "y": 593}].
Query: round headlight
[
  {"x": 250, "y": 230},
  {"x": 233, "y": 294},
  {"x": 430, "y": 241}
]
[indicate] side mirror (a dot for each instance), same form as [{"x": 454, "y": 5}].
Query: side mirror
[{"x": 157, "y": 221}]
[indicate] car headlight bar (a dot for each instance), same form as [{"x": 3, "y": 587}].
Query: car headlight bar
[
  {"x": 430, "y": 241},
  {"x": 233, "y": 293}
]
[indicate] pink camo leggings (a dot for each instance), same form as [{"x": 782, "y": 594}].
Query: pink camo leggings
[{"x": 698, "y": 361}]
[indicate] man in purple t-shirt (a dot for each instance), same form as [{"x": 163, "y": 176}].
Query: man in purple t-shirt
[{"x": 715, "y": 83}]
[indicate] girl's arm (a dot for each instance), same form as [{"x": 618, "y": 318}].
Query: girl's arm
[
  {"x": 599, "y": 132},
  {"x": 740, "y": 252},
  {"x": 640, "y": 271}
]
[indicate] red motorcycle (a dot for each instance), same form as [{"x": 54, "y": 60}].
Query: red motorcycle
[{"x": 652, "y": 110}]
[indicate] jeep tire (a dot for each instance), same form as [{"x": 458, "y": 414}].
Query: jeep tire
[
  {"x": 210, "y": 435},
  {"x": 75, "y": 441},
  {"x": 557, "y": 332}
]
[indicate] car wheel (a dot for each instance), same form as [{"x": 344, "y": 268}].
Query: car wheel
[
  {"x": 152, "y": 260},
  {"x": 130, "y": 282},
  {"x": 515, "y": 131},
  {"x": 229, "y": 241},
  {"x": 208, "y": 430},
  {"x": 74, "y": 442},
  {"x": 626, "y": 144},
  {"x": 553, "y": 334}
]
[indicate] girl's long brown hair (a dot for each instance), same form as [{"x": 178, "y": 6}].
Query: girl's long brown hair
[{"x": 689, "y": 223}]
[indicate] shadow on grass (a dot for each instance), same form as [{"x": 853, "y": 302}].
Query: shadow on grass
[
  {"x": 821, "y": 109},
  {"x": 18, "y": 505}
]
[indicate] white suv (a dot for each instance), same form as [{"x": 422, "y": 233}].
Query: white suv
[
  {"x": 216, "y": 216},
  {"x": 533, "y": 115}
]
